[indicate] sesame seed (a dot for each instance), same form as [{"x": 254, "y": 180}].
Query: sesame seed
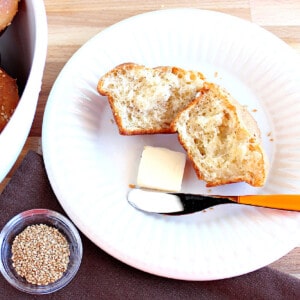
[{"x": 40, "y": 254}]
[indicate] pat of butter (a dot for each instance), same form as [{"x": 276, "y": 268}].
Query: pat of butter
[{"x": 161, "y": 169}]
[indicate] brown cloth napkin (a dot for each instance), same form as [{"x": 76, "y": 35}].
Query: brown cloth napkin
[{"x": 103, "y": 277}]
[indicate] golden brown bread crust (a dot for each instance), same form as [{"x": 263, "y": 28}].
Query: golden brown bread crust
[
  {"x": 145, "y": 100},
  {"x": 9, "y": 97},
  {"x": 8, "y": 10}
]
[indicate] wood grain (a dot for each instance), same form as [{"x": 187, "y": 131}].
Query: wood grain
[{"x": 72, "y": 22}]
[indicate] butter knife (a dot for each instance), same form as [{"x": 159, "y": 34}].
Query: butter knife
[{"x": 168, "y": 203}]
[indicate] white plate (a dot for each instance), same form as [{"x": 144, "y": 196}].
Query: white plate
[{"x": 90, "y": 165}]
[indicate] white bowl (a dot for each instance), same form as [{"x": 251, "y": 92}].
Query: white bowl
[{"x": 23, "y": 49}]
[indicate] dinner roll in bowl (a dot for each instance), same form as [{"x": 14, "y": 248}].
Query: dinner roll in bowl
[{"x": 23, "y": 49}]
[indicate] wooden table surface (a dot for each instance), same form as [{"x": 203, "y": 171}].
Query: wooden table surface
[{"x": 72, "y": 22}]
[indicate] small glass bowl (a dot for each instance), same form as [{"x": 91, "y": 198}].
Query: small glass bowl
[{"x": 39, "y": 216}]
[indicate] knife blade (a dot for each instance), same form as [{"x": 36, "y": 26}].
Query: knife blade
[{"x": 168, "y": 203}]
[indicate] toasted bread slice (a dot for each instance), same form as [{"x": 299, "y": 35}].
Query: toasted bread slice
[
  {"x": 222, "y": 139},
  {"x": 146, "y": 100}
]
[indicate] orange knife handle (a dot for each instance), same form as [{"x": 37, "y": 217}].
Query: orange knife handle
[{"x": 287, "y": 202}]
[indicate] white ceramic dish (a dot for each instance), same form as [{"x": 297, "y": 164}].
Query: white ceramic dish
[
  {"x": 90, "y": 165},
  {"x": 23, "y": 48}
]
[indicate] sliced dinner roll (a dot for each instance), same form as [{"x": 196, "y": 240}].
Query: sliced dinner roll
[
  {"x": 146, "y": 100},
  {"x": 221, "y": 139}
]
